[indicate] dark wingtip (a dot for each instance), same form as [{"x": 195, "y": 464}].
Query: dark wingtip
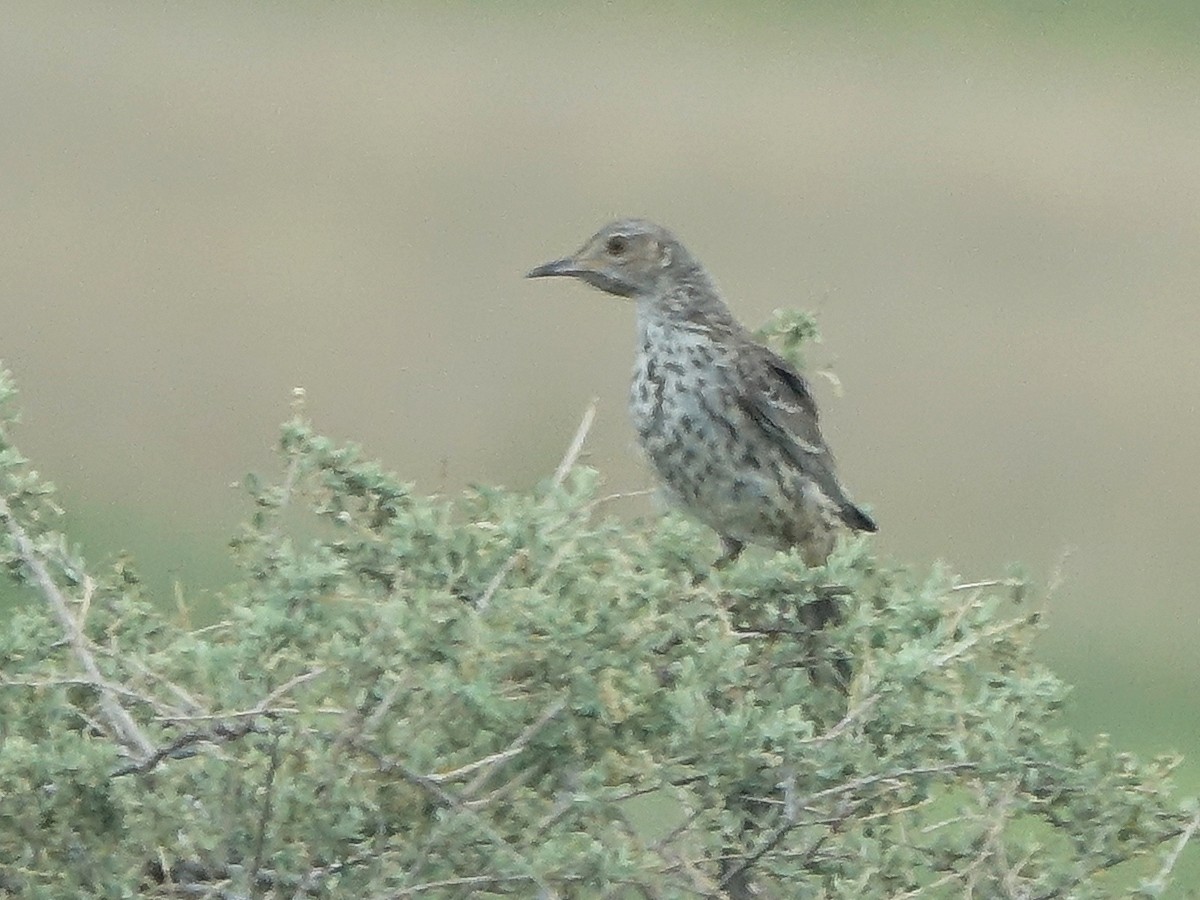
[{"x": 858, "y": 520}]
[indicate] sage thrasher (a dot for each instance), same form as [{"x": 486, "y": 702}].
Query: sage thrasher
[{"x": 729, "y": 426}]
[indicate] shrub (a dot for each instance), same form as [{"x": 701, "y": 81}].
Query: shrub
[{"x": 513, "y": 694}]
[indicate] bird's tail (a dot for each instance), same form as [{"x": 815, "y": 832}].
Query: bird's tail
[{"x": 857, "y": 519}]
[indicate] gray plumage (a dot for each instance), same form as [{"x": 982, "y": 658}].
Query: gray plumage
[{"x": 729, "y": 426}]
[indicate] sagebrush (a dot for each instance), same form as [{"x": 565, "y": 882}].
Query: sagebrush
[{"x": 516, "y": 694}]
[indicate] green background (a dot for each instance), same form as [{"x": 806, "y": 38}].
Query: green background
[{"x": 994, "y": 209}]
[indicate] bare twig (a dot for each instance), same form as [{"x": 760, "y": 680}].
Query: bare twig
[
  {"x": 294, "y": 682},
  {"x": 653, "y": 788},
  {"x": 518, "y": 781},
  {"x": 848, "y": 787},
  {"x": 444, "y": 798},
  {"x": 85, "y": 602},
  {"x": 120, "y": 722},
  {"x": 1159, "y": 881},
  {"x": 521, "y": 741},
  {"x": 847, "y": 720},
  {"x": 216, "y": 626},
  {"x": 555, "y": 561},
  {"x": 961, "y": 647},
  {"x": 987, "y": 583},
  {"x": 1057, "y": 574},
  {"x": 619, "y": 495},
  {"x": 563, "y": 802},
  {"x": 576, "y": 446},
  {"x": 991, "y": 846},
  {"x": 190, "y": 703},
  {"x": 372, "y": 722},
  {"x": 582, "y": 515},
  {"x": 271, "y": 712},
  {"x": 849, "y": 807},
  {"x": 492, "y": 759},
  {"x": 498, "y": 579},
  {"x": 81, "y": 680},
  {"x": 733, "y": 876},
  {"x": 223, "y": 731},
  {"x": 463, "y": 882},
  {"x": 560, "y": 475},
  {"x": 671, "y": 836},
  {"x": 220, "y": 733},
  {"x": 292, "y": 473},
  {"x": 264, "y": 813}
]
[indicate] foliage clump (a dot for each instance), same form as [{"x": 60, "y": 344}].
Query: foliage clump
[{"x": 513, "y": 694}]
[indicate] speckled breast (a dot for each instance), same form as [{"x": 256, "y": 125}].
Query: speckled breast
[{"x": 713, "y": 461}]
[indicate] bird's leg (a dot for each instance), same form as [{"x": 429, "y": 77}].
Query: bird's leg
[
  {"x": 732, "y": 549},
  {"x": 815, "y": 556},
  {"x": 821, "y": 611}
]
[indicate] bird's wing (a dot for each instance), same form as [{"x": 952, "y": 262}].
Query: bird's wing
[{"x": 777, "y": 399}]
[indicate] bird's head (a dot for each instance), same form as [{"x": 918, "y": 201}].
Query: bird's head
[{"x": 629, "y": 258}]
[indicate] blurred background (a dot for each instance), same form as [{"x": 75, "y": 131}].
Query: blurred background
[{"x": 993, "y": 208}]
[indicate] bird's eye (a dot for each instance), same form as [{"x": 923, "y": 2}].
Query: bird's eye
[{"x": 616, "y": 245}]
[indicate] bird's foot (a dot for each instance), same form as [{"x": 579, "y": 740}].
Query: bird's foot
[{"x": 731, "y": 550}]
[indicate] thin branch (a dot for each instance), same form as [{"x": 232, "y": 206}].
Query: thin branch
[
  {"x": 576, "y": 447},
  {"x": 555, "y": 561},
  {"x": 264, "y": 813},
  {"x": 560, "y": 475},
  {"x": 84, "y": 681},
  {"x": 85, "y": 602},
  {"x": 563, "y": 802},
  {"x": 848, "y": 787},
  {"x": 189, "y": 702},
  {"x": 444, "y": 798},
  {"x": 884, "y": 777},
  {"x": 498, "y": 579},
  {"x": 271, "y": 712},
  {"x": 946, "y": 879},
  {"x": 216, "y": 626},
  {"x": 619, "y": 495},
  {"x": 653, "y": 788},
  {"x": 493, "y": 759},
  {"x": 856, "y": 713},
  {"x": 732, "y": 876},
  {"x": 221, "y": 733},
  {"x": 570, "y": 458},
  {"x": 489, "y": 764},
  {"x": 288, "y": 685},
  {"x": 791, "y": 821},
  {"x": 518, "y": 781},
  {"x": 118, "y": 718},
  {"x": 1057, "y": 574},
  {"x": 960, "y": 648},
  {"x": 991, "y": 582},
  {"x": 379, "y": 713},
  {"x": 464, "y": 881},
  {"x": 292, "y": 473},
  {"x": 1159, "y": 881},
  {"x": 670, "y": 837}
]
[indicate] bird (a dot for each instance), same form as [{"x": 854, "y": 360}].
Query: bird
[{"x": 729, "y": 426}]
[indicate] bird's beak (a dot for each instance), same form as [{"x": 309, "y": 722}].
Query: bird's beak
[{"x": 565, "y": 266}]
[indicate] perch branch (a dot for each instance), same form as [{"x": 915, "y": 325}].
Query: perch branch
[{"x": 118, "y": 718}]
